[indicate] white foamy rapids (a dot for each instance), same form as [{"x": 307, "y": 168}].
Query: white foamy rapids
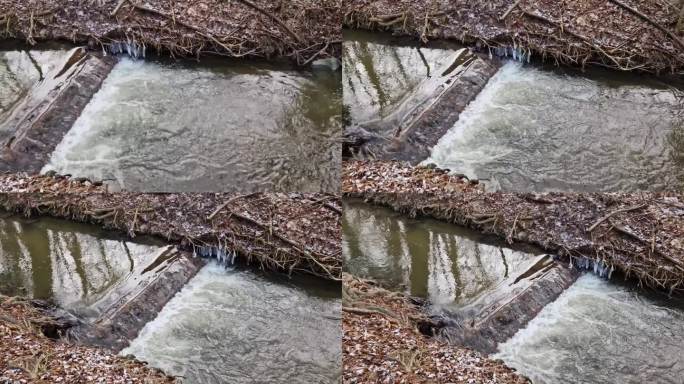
[
  {"x": 597, "y": 332},
  {"x": 184, "y": 128},
  {"x": 535, "y": 130},
  {"x": 234, "y": 327}
]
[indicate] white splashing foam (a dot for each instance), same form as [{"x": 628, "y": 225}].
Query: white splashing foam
[
  {"x": 601, "y": 333},
  {"x": 229, "y": 326}
]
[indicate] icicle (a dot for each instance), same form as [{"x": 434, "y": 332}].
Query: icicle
[
  {"x": 232, "y": 260},
  {"x": 514, "y": 52},
  {"x": 610, "y": 274}
]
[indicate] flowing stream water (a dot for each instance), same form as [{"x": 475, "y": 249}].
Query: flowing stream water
[
  {"x": 601, "y": 332},
  {"x": 232, "y": 326},
  {"x": 78, "y": 267},
  {"x": 597, "y": 331},
  {"x": 225, "y": 325},
  {"x": 541, "y": 130},
  {"x": 449, "y": 265},
  {"x": 169, "y": 126},
  {"x": 532, "y": 128}
]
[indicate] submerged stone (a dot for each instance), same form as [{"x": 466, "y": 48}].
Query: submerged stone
[{"x": 331, "y": 64}]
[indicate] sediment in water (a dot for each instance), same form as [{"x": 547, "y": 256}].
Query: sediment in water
[
  {"x": 289, "y": 233},
  {"x": 639, "y": 235}
]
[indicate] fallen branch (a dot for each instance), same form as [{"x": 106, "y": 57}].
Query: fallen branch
[
  {"x": 225, "y": 204},
  {"x": 649, "y": 20},
  {"x": 608, "y": 216},
  {"x": 509, "y": 10},
  {"x": 118, "y": 7},
  {"x": 275, "y": 18}
]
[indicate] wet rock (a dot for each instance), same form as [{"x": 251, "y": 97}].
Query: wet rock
[
  {"x": 43, "y": 117},
  {"x": 330, "y": 64},
  {"x": 121, "y": 323},
  {"x": 512, "y": 309},
  {"x": 436, "y": 105}
]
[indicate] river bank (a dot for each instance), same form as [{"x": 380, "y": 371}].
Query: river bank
[
  {"x": 382, "y": 343},
  {"x": 27, "y": 355},
  {"x": 637, "y": 235},
  {"x": 302, "y": 32},
  {"x": 292, "y": 233},
  {"x": 100, "y": 287},
  {"x": 619, "y": 34}
]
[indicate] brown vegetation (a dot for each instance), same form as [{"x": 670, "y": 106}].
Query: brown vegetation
[
  {"x": 287, "y": 232},
  {"x": 638, "y": 234},
  {"x": 621, "y": 34},
  {"x": 382, "y": 344},
  {"x": 27, "y": 355},
  {"x": 302, "y": 30}
]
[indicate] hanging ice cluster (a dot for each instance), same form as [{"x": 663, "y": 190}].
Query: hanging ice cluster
[
  {"x": 129, "y": 47},
  {"x": 599, "y": 267},
  {"x": 516, "y": 52},
  {"x": 223, "y": 255}
]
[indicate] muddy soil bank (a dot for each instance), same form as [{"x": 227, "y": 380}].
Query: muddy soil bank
[
  {"x": 27, "y": 355},
  {"x": 301, "y": 30},
  {"x": 639, "y": 235},
  {"x": 38, "y": 123},
  {"x": 285, "y": 232},
  {"x": 626, "y": 35},
  {"x": 382, "y": 343}
]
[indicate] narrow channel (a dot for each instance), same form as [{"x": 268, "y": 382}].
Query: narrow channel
[
  {"x": 160, "y": 125},
  {"x": 80, "y": 268},
  {"x": 450, "y": 266},
  {"x": 597, "y": 330},
  {"x": 533, "y": 127},
  {"x": 213, "y": 331}
]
